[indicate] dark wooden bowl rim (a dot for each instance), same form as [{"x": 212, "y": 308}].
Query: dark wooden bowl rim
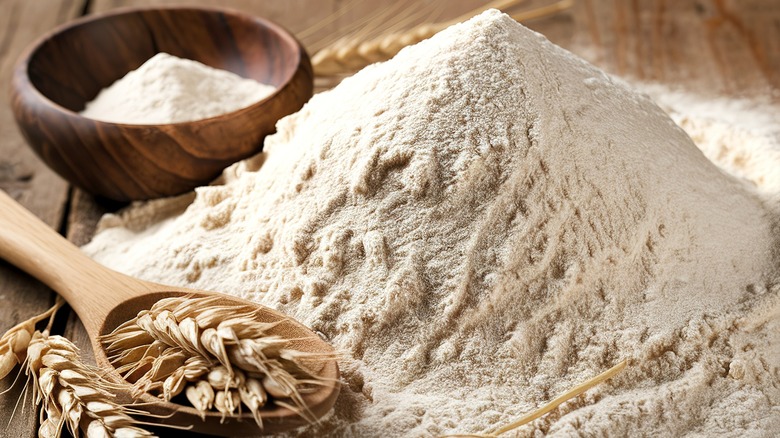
[{"x": 24, "y": 59}]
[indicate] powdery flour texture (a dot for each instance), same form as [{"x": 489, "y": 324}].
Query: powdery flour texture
[
  {"x": 169, "y": 89},
  {"x": 481, "y": 223}
]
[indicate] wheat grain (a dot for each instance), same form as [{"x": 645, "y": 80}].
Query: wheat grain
[
  {"x": 201, "y": 396},
  {"x": 349, "y": 55},
  {"x": 254, "y": 396},
  {"x": 221, "y": 357},
  {"x": 227, "y": 402}
]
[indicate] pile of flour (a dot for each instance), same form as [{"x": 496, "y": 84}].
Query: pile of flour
[
  {"x": 168, "y": 89},
  {"x": 481, "y": 223}
]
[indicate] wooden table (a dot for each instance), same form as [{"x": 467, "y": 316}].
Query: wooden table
[{"x": 720, "y": 47}]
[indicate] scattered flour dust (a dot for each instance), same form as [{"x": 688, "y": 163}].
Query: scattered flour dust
[
  {"x": 168, "y": 89},
  {"x": 742, "y": 136},
  {"x": 485, "y": 221}
]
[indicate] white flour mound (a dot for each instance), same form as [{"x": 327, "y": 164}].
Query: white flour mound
[
  {"x": 168, "y": 89},
  {"x": 481, "y": 223}
]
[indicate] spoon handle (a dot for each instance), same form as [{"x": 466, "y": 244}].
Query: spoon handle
[{"x": 90, "y": 288}]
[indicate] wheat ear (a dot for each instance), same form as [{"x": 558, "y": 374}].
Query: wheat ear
[
  {"x": 73, "y": 395},
  {"x": 221, "y": 357},
  {"x": 350, "y": 55}
]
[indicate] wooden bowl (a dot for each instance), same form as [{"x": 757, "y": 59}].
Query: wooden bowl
[{"x": 67, "y": 68}]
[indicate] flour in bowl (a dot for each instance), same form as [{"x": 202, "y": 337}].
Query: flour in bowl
[
  {"x": 169, "y": 89},
  {"x": 481, "y": 223}
]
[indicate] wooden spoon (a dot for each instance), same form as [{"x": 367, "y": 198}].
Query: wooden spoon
[{"x": 104, "y": 299}]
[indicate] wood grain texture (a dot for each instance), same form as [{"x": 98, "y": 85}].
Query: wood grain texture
[
  {"x": 130, "y": 162},
  {"x": 715, "y": 47},
  {"x": 318, "y": 22},
  {"x": 30, "y": 182},
  {"x": 85, "y": 212},
  {"x": 725, "y": 47}
]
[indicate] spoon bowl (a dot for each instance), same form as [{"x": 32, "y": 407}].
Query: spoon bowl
[
  {"x": 105, "y": 299},
  {"x": 275, "y": 419}
]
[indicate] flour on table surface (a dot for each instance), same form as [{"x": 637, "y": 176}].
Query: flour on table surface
[{"x": 740, "y": 135}]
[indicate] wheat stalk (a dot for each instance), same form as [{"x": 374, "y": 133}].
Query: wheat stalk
[
  {"x": 221, "y": 357},
  {"x": 544, "y": 410},
  {"x": 348, "y": 55}
]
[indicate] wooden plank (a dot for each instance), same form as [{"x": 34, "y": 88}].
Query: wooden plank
[
  {"x": 27, "y": 180},
  {"x": 317, "y": 22},
  {"x": 718, "y": 46},
  {"x": 295, "y": 15},
  {"x": 727, "y": 47}
]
